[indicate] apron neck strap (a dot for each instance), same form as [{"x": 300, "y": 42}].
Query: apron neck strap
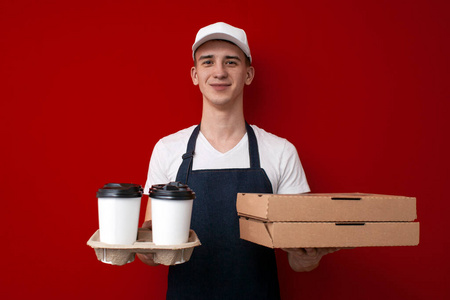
[{"x": 186, "y": 165}]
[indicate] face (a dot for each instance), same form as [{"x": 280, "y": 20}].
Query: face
[{"x": 221, "y": 73}]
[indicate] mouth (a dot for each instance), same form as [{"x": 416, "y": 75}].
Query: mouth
[{"x": 219, "y": 86}]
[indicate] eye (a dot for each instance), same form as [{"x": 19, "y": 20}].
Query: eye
[
  {"x": 207, "y": 62},
  {"x": 231, "y": 62}
]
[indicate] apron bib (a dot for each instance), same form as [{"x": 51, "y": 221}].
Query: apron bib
[{"x": 224, "y": 266}]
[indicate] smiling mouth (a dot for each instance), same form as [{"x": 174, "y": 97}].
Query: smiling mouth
[{"x": 219, "y": 87}]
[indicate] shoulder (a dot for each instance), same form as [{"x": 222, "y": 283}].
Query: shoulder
[
  {"x": 271, "y": 142},
  {"x": 279, "y": 158},
  {"x": 177, "y": 139},
  {"x": 167, "y": 157}
]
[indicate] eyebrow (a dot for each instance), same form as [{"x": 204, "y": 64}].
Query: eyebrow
[
  {"x": 211, "y": 56},
  {"x": 232, "y": 57},
  {"x": 205, "y": 57}
]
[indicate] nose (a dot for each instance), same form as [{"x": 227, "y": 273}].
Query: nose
[{"x": 220, "y": 71}]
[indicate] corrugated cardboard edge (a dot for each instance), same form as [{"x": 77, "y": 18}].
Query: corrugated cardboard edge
[
  {"x": 289, "y": 207},
  {"x": 253, "y": 205},
  {"x": 123, "y": 254},
  {"x": 328, "y": 234},
  {"x": 255, "y": 231}
]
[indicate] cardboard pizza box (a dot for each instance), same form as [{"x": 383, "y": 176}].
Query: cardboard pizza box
[
  {"x": 326, "y": 207},
  {"x": 329, "y": 234},
  {"x": 327, "y": 220}
]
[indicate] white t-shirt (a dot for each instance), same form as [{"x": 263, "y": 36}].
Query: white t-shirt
[{"x": 278, "y": 157}]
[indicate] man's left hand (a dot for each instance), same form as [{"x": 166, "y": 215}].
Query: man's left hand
[{"x": 306, "y": 259}]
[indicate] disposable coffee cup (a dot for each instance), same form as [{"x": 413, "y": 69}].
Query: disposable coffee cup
[
  {"x": 171, "y": 213},
  {"x": 118, "y": 212}
]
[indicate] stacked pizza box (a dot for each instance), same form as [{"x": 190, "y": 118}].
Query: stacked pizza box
[{"x": 328, "y": 220}]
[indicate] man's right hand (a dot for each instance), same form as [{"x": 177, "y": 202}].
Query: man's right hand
[{"x": 147, "y": 258}]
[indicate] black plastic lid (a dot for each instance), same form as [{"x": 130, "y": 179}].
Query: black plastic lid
[
  {"x": 120, "y": 190},
  {"x": 171, "y": 191}
]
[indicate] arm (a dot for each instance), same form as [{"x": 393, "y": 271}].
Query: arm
[
  {"x": 164, "y": 163},
  {"x": 293, "y": 181},
  {"x": 307, "y": 259},
  {"x": 156, "y": 173}
]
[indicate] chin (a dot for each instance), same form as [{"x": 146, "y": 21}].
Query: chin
[{"x": 219, "y": 101}]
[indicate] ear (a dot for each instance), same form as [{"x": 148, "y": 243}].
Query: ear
[
  {"x": 250, "y": 75},
  {"x": 194, "y": 76}
]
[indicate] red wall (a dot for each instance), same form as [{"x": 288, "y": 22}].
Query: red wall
[{"x": 87, "y": 88}]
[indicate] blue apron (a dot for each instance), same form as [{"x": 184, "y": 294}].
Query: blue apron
[{"x": 224, "y": 266}]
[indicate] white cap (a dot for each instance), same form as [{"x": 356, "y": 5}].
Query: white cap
[{"x": 222, "y": 31}]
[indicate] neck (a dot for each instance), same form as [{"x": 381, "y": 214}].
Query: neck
[{"x": 223, "y": 129}]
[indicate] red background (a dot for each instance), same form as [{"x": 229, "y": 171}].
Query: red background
[{"x": 87, "y": 88}]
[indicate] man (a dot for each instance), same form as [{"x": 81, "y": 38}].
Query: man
[{"x": 217, "y": 159}]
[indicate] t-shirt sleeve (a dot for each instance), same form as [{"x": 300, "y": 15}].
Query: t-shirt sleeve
[
  {"x": 292, "y": 176},
  {"x": 157, "y": 170}
]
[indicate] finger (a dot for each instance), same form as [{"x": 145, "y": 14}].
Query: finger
[
  {"x": 295, "y": 251},
  {"x": 146, "y": 256},
  {"x": 147, "y": 224},
  {"x": 325, "y": 251},
  {"x": 311, "y": 251},
  {"x": 149, "y": 256}
]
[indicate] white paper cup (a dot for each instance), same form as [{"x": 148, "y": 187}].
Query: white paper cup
[
  {"x": 118, "y": 213},
  {"x": 171, "y": 213},
  {"x": 171, "y": 220},
  {"x": 118, "y": 220}
]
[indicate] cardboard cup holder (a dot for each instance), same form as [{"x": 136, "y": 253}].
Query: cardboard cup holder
[{"x": 122, "y": 254}]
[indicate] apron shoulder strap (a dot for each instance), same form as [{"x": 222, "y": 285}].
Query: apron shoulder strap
[
  {"x": 253, "y": 148},
  {"x": 186, "y": 165}
]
